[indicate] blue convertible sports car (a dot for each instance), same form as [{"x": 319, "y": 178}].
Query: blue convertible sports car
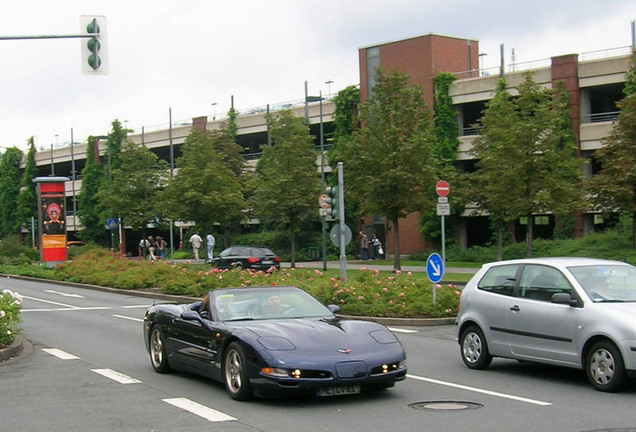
[{"x": 271, "y": 341}]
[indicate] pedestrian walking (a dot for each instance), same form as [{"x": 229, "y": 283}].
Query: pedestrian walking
[
  {"x": 161, "y": 245},
  {"x": 209, "y": 242},
  {"x": 196, "y": 241},
  {"x": 364, "y": 246}
]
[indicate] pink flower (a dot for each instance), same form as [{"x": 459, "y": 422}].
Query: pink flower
[
  {"x": 360, "y": 297},
  {"x": 342, "y": 301},
  {"x": 336, "y": 285},
  {"x": 390, "y": 302},
  {"x": 402, "y": 294},
  {"x": 398, "y": 272},
  {"x": 410, "y": 274}
]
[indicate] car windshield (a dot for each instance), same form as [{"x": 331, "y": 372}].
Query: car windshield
[
  {"x": 261, "y": 303},
  {"x": 607, "y": 283}
]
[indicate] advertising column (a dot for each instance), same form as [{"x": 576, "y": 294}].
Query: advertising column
[{"x": 52, "y": 219}]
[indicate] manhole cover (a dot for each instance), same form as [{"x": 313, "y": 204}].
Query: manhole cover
[{"x": 445, "y": 405}]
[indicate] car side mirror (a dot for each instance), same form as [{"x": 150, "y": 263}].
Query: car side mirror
[
  {"x": 190, "y": 315},
  {"x": 334, "y": 308},
  {"x": 564, "y": 298}
]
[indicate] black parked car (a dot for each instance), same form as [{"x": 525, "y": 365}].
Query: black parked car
[{"x": 247, "y": 257}]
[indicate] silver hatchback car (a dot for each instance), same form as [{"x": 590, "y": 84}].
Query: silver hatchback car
[{"x": 573, "y": 312}]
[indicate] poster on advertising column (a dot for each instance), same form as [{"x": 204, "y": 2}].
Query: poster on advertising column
[{"x": 52, "y": 219}]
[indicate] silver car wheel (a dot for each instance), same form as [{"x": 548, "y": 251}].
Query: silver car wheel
[
  {"x": 602, "y": 366},
  {"x": 472, "y": 347},
  {"x": 156, "y": 349},
  {"x": 233, "y": 369}
]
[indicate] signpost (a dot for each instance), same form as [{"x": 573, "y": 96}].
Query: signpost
[
  {"x": 442, "y": 188},
  {"x": 435, "y": 271}
]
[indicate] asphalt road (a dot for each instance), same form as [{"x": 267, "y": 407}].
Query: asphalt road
[{"x": 88, "y": 371}]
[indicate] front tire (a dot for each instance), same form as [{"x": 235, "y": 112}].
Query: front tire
[
  {"x": 474, "y": 348},
  {"x": 605, "y": 368},
  {"x": 158, "y": 353},
  {"x": 237, "y": 382}
]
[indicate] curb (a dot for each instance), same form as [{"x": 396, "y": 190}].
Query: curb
[
  {"x": 418, "y": 322},
  {"x": 13, "y": 350}
]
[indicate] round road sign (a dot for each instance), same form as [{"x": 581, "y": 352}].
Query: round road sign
[{"x": 442, "y": 188}]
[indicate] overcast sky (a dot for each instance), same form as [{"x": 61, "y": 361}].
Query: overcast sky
[{"x": 187, "y": 55}]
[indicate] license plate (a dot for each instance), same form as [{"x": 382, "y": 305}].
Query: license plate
[
  {"x": 338, "y": 390},
  {"x": 267, "y": 262}
]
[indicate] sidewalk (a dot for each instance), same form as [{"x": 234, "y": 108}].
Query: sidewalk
[{"x": 380, "y": 265}]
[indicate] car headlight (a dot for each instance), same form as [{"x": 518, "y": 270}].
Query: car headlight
[{"x": 281, "y": 373}]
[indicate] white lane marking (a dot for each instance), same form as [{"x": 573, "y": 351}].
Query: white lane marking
[
  {"x": 198, "y": 409},
  {"x": 64, "y": 294},
  {"x": 67, "y": 309},
  {"x": 136, "y": 307},
  {"x": 398, "y": 330},
  {"x": 129, "y": 318},
  {"x": 50, "y": 302},
  {"x": 116, "y": 376},
  {"x": 478, "y": 390},
  {"x": 60, "y": 354}
]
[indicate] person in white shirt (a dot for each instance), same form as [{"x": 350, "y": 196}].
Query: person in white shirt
[
  {"x": 210, "y": 241},
  {"x": 196, "y": 241}
]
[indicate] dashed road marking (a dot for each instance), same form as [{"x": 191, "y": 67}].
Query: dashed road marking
[
  {"x": 198, "y": 409},
  {"x": 60, "y": 354},
  {"x": 64, "y": 294},
  {"x": 116, "y": 376}
]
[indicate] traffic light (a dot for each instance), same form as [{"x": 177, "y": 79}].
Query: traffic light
[
  {"x": 94, "y": 59},
  {"x": 333, "y": 192}
]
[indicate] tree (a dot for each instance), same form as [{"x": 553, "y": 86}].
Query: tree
[
  {"x": 132, "y": 194},
  {"x": 527, "y": 157},
  {"x": 27, "y": 200},
  {"x": 389, "y": 164},
  {"x": 286, "y": 186},
  {"x": 613, "y": 188},
  {"x": 9, "y": 190},
  {"x": 89, "y": 210},
  {"x": 204, "y": 190}
]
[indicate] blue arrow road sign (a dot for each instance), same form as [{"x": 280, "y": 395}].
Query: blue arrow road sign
[{"x": 435, "y": 267}]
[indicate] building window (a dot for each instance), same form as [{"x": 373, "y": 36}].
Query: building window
[{"x": 373, "y": 62}]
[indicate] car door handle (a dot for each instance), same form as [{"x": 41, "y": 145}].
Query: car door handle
[{"x": 515, "y": 308}]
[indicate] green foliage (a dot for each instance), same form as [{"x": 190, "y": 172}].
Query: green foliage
[
  {"x": 630, "y": 83},
  {"x": 232, "y": 126},
  {"x": 204, "y": 190},
  {"x": 89, "y": 208},
  {"x": 13, "y": 252},
  {"x": 286, "y": 185},
  {"x": 9, "y": 190},
  {"x": 389, "y": 164},
  {"x": 135, "y": 185},
  {"x": 613, "y": 188},
  {"x": 367, "y": 293},
  {"x": 345, "y": 114},
  {"x": 27, "y": 200},
  {"x": 446, "y": 127},
  {"x": 527, "y": 157},
  {"x": 10, "y": 304}
]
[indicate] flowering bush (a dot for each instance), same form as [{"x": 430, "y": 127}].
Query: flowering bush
[
  {"x": 366, "y": 293},
  {"x": 10, "y": 303}
]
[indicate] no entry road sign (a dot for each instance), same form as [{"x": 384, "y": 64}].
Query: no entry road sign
[{"x": 442, "y": 188}]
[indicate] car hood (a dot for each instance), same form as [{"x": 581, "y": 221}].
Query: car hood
[{"x": 321, "y": 335}]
